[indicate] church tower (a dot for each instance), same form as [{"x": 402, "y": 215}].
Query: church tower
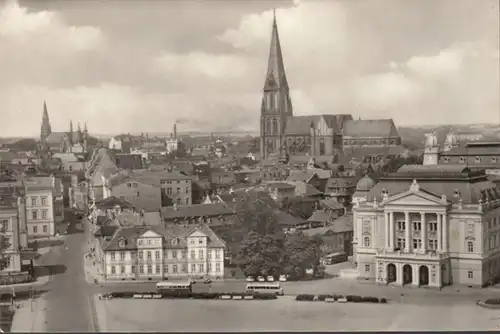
[
  {"x": 45, "y": 129},
  {"x": 71, "y": 133},
  {"x": 85, "y": 138},
  {"x": 276, "y": 104},
  {"x": 431, "y": 149}
]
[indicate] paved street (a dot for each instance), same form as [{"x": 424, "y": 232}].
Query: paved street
[{"x": 69, "y": 306}]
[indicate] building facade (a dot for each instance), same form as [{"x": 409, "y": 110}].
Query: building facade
[
  {"x": 158, "y": 252},
  {"x": 429, "y": 226}
]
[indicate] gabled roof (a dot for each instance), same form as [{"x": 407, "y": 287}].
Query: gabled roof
[
  {"x": 381, "y": 128},
  {"x": 320, "y": 216},
  {"x": 332, "y": 204},
  {"x": 341, "y": 182},
  {"x": 301, "y": 176},
  {"x": 112, "y": 201},
  {"x": 195, "y": 210}
]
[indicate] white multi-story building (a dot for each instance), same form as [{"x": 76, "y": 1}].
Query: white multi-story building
[
  {"x": 429, "y": 225},
  {"x": 159, "y": 252}
]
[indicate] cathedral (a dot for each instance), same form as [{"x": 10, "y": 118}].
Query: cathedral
[
  {"x": 63, "y": 142},
  {"x": 282, "y": 133}
]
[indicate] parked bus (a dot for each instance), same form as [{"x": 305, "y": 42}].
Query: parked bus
[
  {"x": 166, "y": 286},
  {"x": 335, "y": 258},
  {"x": 265, "y": 287}
]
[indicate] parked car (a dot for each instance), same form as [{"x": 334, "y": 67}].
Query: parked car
[
  {"x": 270, "y": 278},
  {"x": 250, "y": 279},
  {"x": 207, "y": 280},
  {"x": 282, "y": 278},
  {"x": 261, "y": 279}
]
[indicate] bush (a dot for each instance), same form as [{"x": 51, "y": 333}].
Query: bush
[
  {"x": 370, "y": 299},
  {"x": 305, "y": 297},
  {"x": 117, "y": 294},
  {"x": 128, "y": 294},
  {"x": 323, "y": 297},
  {"x": 383, "y": 301},
  {"x": 265, "y": 296}
]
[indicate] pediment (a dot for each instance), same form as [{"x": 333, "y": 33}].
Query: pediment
[
  {"x": 197, "y": 233},
  {"x": 150, "y": 234},
  {"x": 415, "y": 198}
]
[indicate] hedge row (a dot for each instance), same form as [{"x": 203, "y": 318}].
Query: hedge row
[
  {"x": 349, "y": 298},
  {"x": 194, "y": 295},
  {"x": 492, "y": 301}
]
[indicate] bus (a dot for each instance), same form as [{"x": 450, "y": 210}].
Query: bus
[
  {"x": 165, "y": 286},
  {"x": 335, "y": 258},
  {"x": 265, "y": 287}
]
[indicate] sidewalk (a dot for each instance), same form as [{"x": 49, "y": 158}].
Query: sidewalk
[{"x": 28, "y": 318}]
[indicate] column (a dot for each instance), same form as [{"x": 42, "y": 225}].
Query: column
[
  {"x": 391, "y": 230},
  {"x": 423, "y": 231},
  {"x": 408, "y": 229},
  {"x": 444, "y": 224},
  {"x": 439, "y": 223},
  {"x": 387, "y": 231}
]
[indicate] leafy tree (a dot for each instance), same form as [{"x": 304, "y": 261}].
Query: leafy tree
[
  {"x": 394, "y": 164},
  {"x": 302, "y": 252},
  {"x": 261, "y": 254}
]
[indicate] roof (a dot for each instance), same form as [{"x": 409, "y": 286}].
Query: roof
[
  {"x": 320, "y": 216},
  {"x": 300, "y": 125},
  {"x": 280, "y": 185},
  {"x": 39, "y": 182},
  {"x": 365, "y": 184},
  {"x": 112, "y": 201},
  {"x": 312, "y": 191},
  {"x": 106, "y": 230},
  {"x": 443, "y": 168},
  {"x": 474, "y": 149},
  {"x": 128, "y": 161},
  {"x": 340, "y": 182},
  {"x": 301, "y": 176},
  {"x": 370, "y": 128},
  {"x": 180, "y": 233},
  {"x": 340, "y": 225},
  {"x": 332, "y": 204},
  {"x": 195, "y": 210}
]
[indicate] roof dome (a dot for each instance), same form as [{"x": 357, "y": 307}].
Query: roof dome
[
  {"x": 365, "y": 184},
  {"x": 431, "y": 140},
  {"x": 451, "y": 139}
]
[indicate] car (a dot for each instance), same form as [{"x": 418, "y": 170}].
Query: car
[
  {"x": 270, "y": 278},
  {"x": 261, "y": 279},
  {"x": 282, "y": 278},
  {"x": 250, "y": 279},
  {"x": 207, "y": 280}
]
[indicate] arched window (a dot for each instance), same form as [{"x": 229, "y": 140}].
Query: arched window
[
  {"x": 470, "y": 247},
  {"x": 268, "y": 126},
  {"x": 366, "y": 242},
  {"x": 272, "y": 100},
  {"x": 275, "y": 126}
]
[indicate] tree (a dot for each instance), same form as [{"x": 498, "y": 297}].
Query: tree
[
  {"x": 261, "y": 254},
  {"x": 394, "y": 164},
  {"x": 302, "y": 252}
]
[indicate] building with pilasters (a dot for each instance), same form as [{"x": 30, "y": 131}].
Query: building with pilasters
[{"x": 431, "y": 225}]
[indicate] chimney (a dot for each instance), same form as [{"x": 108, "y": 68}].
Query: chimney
[{"x": 175, "y": 130}]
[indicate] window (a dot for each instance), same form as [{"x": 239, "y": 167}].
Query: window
[
  {"x": 201, "y": 267},
  {"x": 187, "y": 200},
  {"x": 217, "y": 267},
  {"x": 433, "y": 244},
  {"x": 366, "y": 242},
  {"x": 133, "y": 269},
  {"x": 165, "y": 268},
  {"x": 470, "y": 274},
  {"x": 139, "y": 242},
  {"x": 433, "y": 226},
  {"x": 113, "y": 256},
  {"x": 44, "y": 201},
  {"x": 178, "y": 201},
  {"x": 148, "y": 242},
  {"x": 461, "y": 160},
  {"x": 157, "y": 242},
  {"x": 44, "y": 228},
  {"x": 187, "y": 190},
  {"x": 446, "y": 160},
  {"x": 401, "y": 243},
  {"x": 200, "y": 241},
  {"x": 200, "y": 254},
  {"x": 169, "y": 191},
  {"x": 129, "y": 185},
  {"x": 138, "y": 194},
  {"x": 34, "y": 215},
  {"x": 157, "y": 255},
  {"x": 367, "y": 268},
  {"x": 113, "y": 269},
  {"x": 141, "y": 269},
  {"x": 494, "y": 160},
  {"x": 33, "y": 201},
  {"x": 184, "y": 268},
  {"x": 470, "y": 247},
  {"x": 193, "y": 268},
  {"x": 149, "y": 255},
  {"x": 477, "y": 160},
  {"x": 184, "y": 254},
  {"x": 140, "y": 255},
  {"x": 193, "y": 255},
  {"x": 5, "y": 223},
  {"x": 174, "y": 241},
  {"x": 470, "y": 228},
  {"x": 217, "y": 253},
  {"x": 174, "y": 254},
  {"x": 44, "y": 214},
  {"x": 157, "y": 269},
  {"x": 417, "y": 243},
  {"x": 209, "y": 253},
  {"x": 401, "y": 224},
  {"x": 150, "y": 269},
  {"x": 178, "y": 190},
  {"x": 122, "y": 256},
  {"x": 122, "y": 269},
  {"x": 417, "y": 226},
  {"x": 191, "y": 241},
  {"x": 209, "y": 267}
]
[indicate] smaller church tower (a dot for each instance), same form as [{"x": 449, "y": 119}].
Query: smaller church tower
[
  {"x": 71, "y": 134},
  {"x": 45, "y": 129},
  {"x": 79, "y": 135},
  {"x": 85, "y": 138},
  {"x": 431, "y": 149}
]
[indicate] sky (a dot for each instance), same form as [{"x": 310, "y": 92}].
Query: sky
[{"x": 139, "y": 66}]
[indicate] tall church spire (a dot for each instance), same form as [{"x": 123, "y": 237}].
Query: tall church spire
[
  {"x": 71, "y": 132},
  {"x": 79, "y": 135},
  {"x": 276, "y": 76},
  {"x": 45, "y": 129}
]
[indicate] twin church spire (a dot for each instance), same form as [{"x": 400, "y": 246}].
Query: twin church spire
[{"x": 276, "y": 76}]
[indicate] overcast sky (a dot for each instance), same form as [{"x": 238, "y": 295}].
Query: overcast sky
[{"x": 137, "y": 66}]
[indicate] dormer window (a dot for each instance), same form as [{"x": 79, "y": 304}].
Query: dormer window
[
  {"x": 456, "y": 193},
  {"x": 121, "y": 243},
  {"x": 477, "y": 160},
  {"x": 494, "y": 160},
  {"x": 461, "y": 160},
  {"x": 174, "y": 241},
  {"x": 446, "y": 160},
  {"x": 384, "y": 191}
]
